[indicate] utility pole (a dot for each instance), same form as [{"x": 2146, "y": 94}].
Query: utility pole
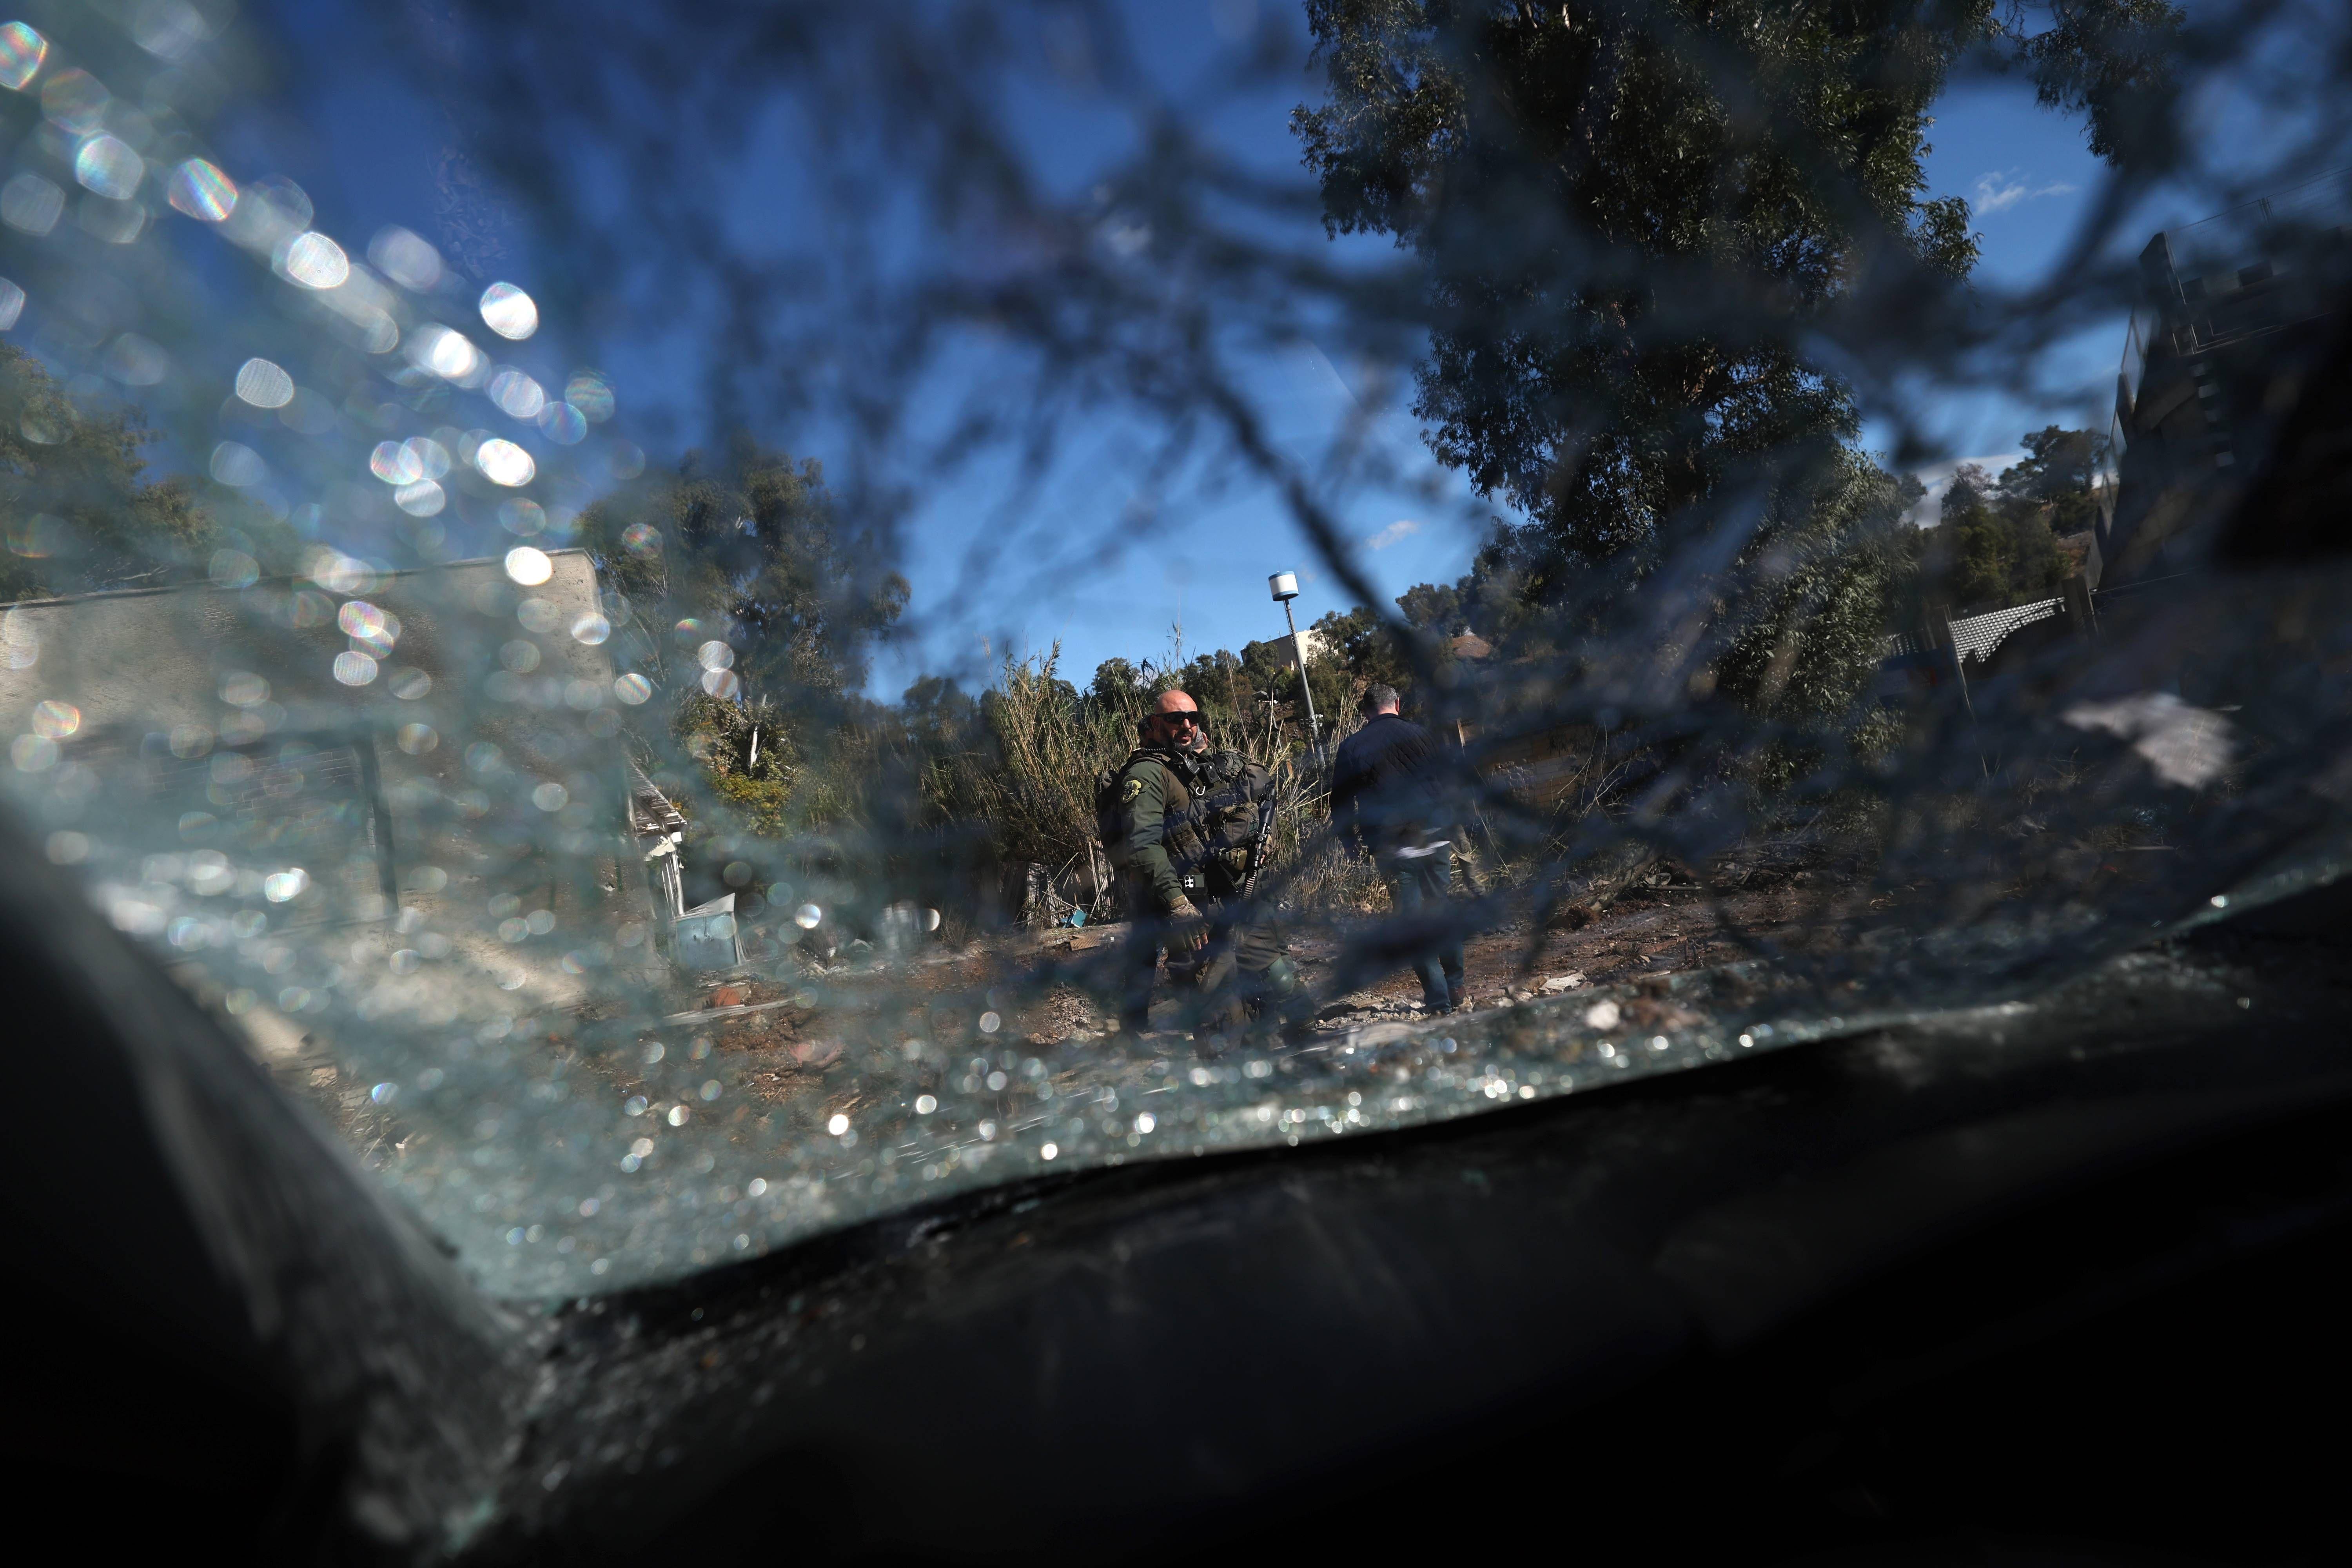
[{"x": 1285, "y": 587}]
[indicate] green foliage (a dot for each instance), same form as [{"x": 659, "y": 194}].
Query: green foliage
[
  {"x": 937, "y": 712},
  {"x": 1489, "y": 599},
  {"x": 1804, "y": 642},
  {"x": 1434, "y": 607},
  {"x": 1018, "y": 765},
  {"x": 1630, "y": 218},
  {"x": 2059, "y": 470},
  {"x": 760, "y": 805},
  {"x": 2107, "y": 59},
  {"x": 1548, "y": 161},
  {"x": 77, "y": 517},
  {"x": 1367, "y": 648},
  {"x": 1118, "y": 687},
  {"x": 2002, "y": 552},
  {"x": 1033, "y": 780},
  {"x": 736, "y": 740},
  {"x": 1996, "y": 540},
  {"x": 757, "y": 557}
]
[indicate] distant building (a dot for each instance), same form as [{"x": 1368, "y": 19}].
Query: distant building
[
  {"x": 2238, "y": 310},
  {"x": 2238, "y": 307}
]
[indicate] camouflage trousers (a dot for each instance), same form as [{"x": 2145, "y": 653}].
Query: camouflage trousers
[{"x": 1243, "y": 970}]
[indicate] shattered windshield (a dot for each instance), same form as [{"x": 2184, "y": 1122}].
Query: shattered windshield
[{"x": 698, "y": 624}]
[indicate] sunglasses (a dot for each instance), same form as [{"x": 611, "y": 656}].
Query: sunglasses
[{"x": 1188, "y": 720}]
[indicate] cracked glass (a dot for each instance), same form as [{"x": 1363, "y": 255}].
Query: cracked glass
[{"x": 540, "y": 548}]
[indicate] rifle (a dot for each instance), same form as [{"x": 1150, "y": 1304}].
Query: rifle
[{"x": 1260, "y": 847}]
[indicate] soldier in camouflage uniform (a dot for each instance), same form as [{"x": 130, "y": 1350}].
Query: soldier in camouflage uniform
[{"x": 1183, "y": 831}]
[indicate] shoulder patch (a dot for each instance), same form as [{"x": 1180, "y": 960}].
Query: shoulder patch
[{"x": 1130, "y": 789}]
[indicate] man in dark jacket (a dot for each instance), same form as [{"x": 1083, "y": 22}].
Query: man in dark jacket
[{"x": 1387, "y": 797}]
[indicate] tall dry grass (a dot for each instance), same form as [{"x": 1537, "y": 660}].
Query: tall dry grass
[{"x": 1028, "y": 775}]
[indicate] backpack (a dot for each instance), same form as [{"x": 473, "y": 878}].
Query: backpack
[{"x": 1110, "y": 812}]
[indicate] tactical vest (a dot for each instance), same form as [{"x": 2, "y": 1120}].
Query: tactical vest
[{"x": 1178, "y": 832}]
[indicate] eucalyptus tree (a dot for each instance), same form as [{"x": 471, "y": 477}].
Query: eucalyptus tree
[
  {"x": 1634, "y": 214},
  {"x": 78, "y": 510}
]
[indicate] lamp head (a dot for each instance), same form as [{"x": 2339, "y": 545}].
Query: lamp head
[{"x": 1285, "y": 585}]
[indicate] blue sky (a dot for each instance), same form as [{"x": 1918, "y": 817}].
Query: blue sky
[
  {"x": 2026, "y": 170},
  {"x": 1075, "y": 567},
  {"x": 2027, "y": 175}
]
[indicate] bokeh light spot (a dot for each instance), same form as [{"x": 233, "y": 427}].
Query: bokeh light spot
[
  {"x": 517, "y": 395},
  {"x": 31, "y": 203},
  {"x": 201, "y": 191},
  {"x": 431, "y": 457},
  {"x": 591, "y": 393},
  {"x": 75, "y": 100},
  {"x": 504, "y": 463},
  {"x": 54, "y": 721},
  {"x": 529, "y": 566},
  {"x": 238, "y": 465},
  {"x": 562, "y": 422},
  {"x": 264, "y": 384},
  {"x": 449, "y": 356},
  {"x": 408, "y": 260},
  {"x": 313, "y": 260},
  {"x": 366, "y": 623},
  {"x": 395, "y": 464},
  {"x": 116, "y": 222},
  {"x": 22, "y": 51},
  {"x": 135, "y": 361},
  {"x": 107, "y": 164},
  {"x": 168, "y": 30},
  {"x": 268, "y": 212},
  {"x": 508, "y": 311}
]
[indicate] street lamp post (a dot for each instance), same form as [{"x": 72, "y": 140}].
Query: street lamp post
[{"x": 1285, "y": 587}]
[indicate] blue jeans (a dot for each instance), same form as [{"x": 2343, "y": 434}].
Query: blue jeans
[{"x": 1419, "y": 886}]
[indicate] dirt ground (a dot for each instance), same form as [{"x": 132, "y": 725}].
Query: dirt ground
[{"x": 777, "y": 1036}]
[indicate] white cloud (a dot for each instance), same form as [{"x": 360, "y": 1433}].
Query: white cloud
[
  {"x": 1397, "y": 532},
  {"x": 2005, "y": 188},
  {"x": 1927, "y": 510}
]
